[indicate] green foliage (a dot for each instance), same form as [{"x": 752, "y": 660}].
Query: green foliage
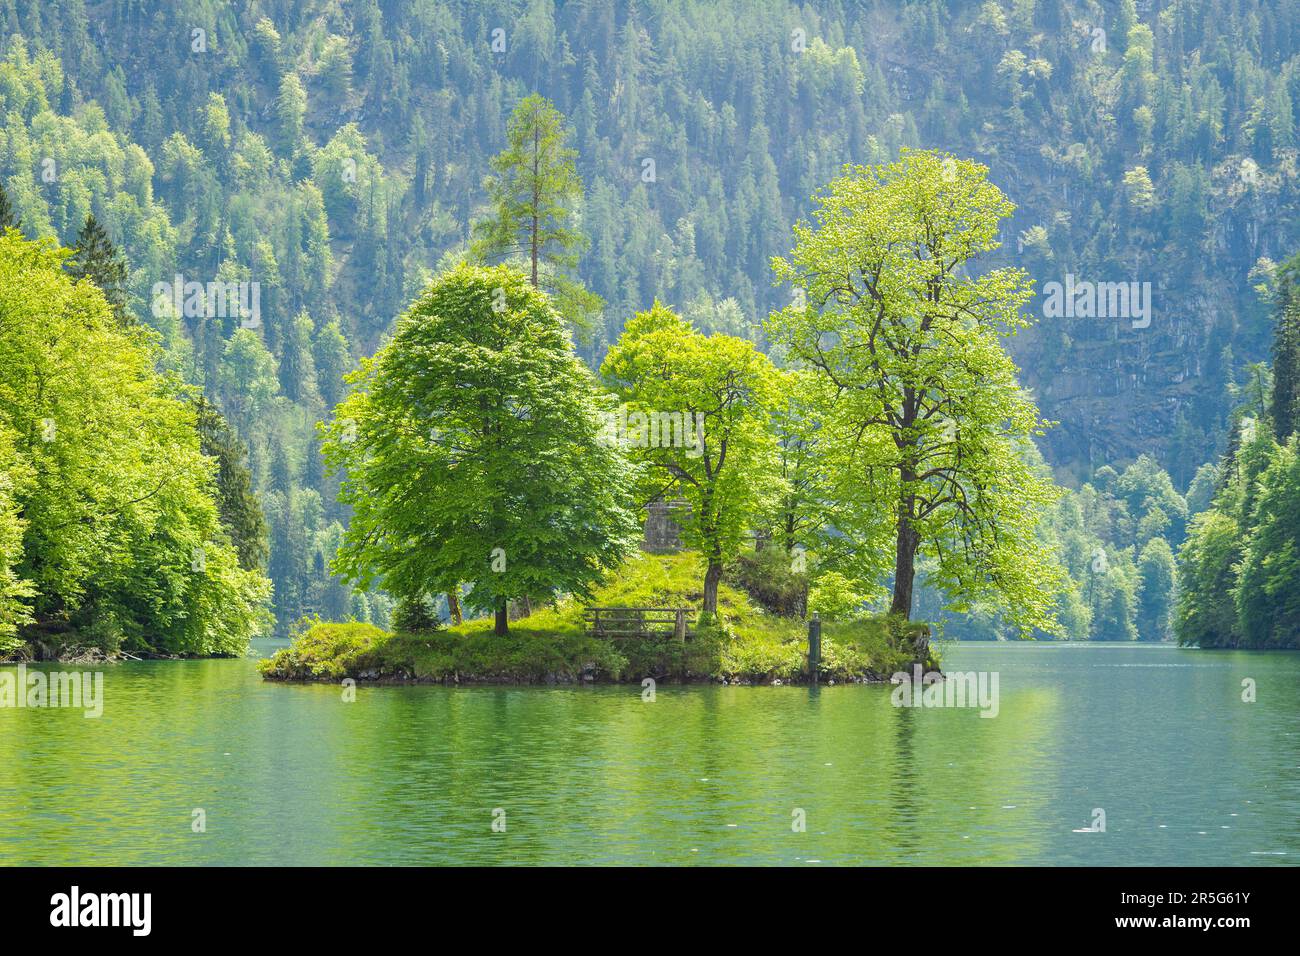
[
  {"x": 97, "y": 259},
  {"x": 1268, "y": 593},
  {"x": 1206, "y": 613},
  {"x": 414, "y": 614},
  {"x": 8, "y": 218},
  {"x": 533, "y": 194},
  {"x": 770, "y": 579},
  {"x": 15, "y": 592},
  {"x": 550, "y": 644},
  {"x": 1237, "y": 572},
  {"x": 699, "y": 416},
  {"x": 1285, "y": 400},
  {"x": 1156, "y": 568},
  {"x": 927, "y": 427},
  {"x": 471, "y": 452},
  {"x": 241, "y": 512},
  {"x": 1149, "y": 497},
  {"x": 247, "y": 167},
  {"x": 323, "y": 651},
  {"x": 121, "y": 538},
  {"x": 836, "y": 598}
]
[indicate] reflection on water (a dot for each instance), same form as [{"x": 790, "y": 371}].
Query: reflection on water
[{"x": 1157, "y": 737}]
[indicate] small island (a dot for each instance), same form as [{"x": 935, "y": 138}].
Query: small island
[{"x": 747, "y": 644}]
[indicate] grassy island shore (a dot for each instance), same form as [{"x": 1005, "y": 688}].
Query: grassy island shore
[{"x": 744, "y": 644}]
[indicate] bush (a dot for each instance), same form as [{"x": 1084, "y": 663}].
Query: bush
[
  {"x": 768, "y": 578},
  {"x": 321, "y": 650}
]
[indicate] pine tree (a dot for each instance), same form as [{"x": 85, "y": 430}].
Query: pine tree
[
  {"x": 1286, "y": 355},
  {"x": 534, "y": 192},
  {"x": 97, "y": 259},
  {"x": 241, "y": 512},
  {"x": 8, "y": 215},
  {"x": 297, "y": 366}
]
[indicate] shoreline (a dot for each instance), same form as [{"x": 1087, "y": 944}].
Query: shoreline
[{"x": 564, "y": 680}]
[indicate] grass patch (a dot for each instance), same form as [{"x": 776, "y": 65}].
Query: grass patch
[{"x": 745, "y": 643}]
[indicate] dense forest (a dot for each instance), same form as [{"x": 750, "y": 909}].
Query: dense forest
[{"x": 340, "y": 156}]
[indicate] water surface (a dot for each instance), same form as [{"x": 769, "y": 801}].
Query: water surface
[{"x": 1158, "y": 737}]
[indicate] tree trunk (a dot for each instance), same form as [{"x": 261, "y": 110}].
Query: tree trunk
[
  {"x": 904, "y": 561},
  {"x": 453, "y": 608},
  {"x": 537, "y": 199},
  {"x": 502, "y": 620},
  {"x": 712, "y": 575}
]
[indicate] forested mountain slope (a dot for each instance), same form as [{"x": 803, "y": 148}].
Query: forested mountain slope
[{"x": 335, "y": 152}]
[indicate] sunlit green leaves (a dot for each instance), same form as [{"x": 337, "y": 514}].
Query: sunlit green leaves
[
  {"x": 120, "y": 535},
  {"x": 470, "y": 451},
  {"x": 927, "y": 425}
]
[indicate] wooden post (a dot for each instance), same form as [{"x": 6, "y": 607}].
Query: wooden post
[
  {"x": 679, "y": 627},
  {"x": 814, "y": 646}
]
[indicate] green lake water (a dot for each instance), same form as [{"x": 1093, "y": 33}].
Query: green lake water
[{"x": 1157, "y": 737}]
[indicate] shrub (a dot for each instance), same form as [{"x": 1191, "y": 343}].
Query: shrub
[
  {"x": 323, "y": 650},
  {"x": 768, "y": 578}
]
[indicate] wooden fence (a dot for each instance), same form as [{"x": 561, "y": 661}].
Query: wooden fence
[{"x": 639, "y": 621}]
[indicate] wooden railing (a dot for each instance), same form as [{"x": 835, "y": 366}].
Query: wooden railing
[{"x": 639, "y": 621}]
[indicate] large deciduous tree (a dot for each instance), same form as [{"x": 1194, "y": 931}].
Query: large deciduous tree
[
  {"x": 471, "y": 452},
  {"x": 927, "y": 423},
  {"x": 1268, "y": 591},
  {"x": 705, "y": 429}
]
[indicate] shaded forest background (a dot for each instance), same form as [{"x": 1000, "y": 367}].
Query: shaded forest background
[{"x": 335, "y": 153}]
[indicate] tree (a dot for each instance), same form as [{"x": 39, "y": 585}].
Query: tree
[
  {"x": 1156, "y": 571},
  {"x": 1150, "y": 498},
  {"x": 699, "y": 413},
  {"x": 1268, "y": 593},
  {"x": 470, "y": 451},
  {"x": 534, "y": 193},
  {"x": 1205, "y": 614},
  {"x": 297, "y": 365},
  {"x": 927, "y": 419},
  {"x": 333, "y": 360},
  {"x": 8, "y": 215},
  {"x": 15, "y": 591},
  {"x": 97, "y": 259},
  {"x": 1285, "y": 404},
  {"x": 241, "y": 511},
  {"x": 414, "y": 614},
  {"x": 290, "y": 109},
  {"x": 248, "y": 377},
  {"x": 122, "y": 544},
  {"x": 801, "y": 513}
]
